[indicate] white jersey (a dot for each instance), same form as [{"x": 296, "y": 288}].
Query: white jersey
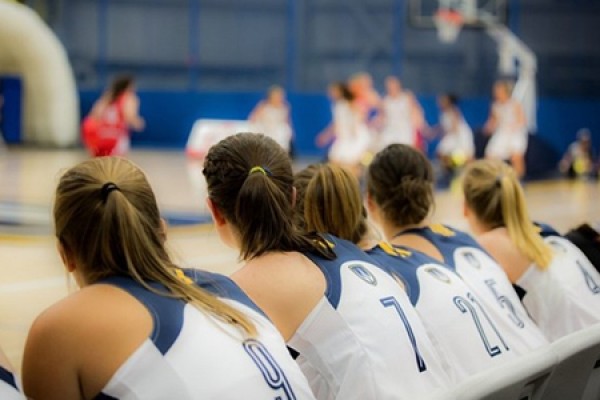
[
  {"x": 460, "y": 322},
  {"x": 565, "y": 297},
  {"x": 193, "y": 355},
  {"x": 458, "y": 136},
  {"x": 274, "y": 122},
  {"x": 9, "y": 389},
  {"x": 352, "y": 136},
  {"x": 399, "y": 127},
  {"x": 509, "y": 138},
  {"x": 489, "y": 282},
  {"x": 364, "y": 340}
]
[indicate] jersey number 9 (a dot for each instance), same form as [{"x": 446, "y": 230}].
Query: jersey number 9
[{"x": 271, "y": 371}]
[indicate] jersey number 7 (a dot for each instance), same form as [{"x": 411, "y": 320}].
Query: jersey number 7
[{"x": 392, "y": 302}]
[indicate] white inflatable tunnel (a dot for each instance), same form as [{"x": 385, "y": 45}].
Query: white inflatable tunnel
[{"x": 31, "y": 51}]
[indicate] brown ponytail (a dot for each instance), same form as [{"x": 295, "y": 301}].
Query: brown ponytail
[
  {"x": 250, "y": 181},
  {"x": 106, "y": 217},
  {"x": 492, "y": 191},
  {"x": 400, "y": 181}
]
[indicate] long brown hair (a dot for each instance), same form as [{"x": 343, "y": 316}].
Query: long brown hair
[
  {"x": 400, "y": 180},
  {"x": 492, "y": 191},
  {"x": 329, "y": 200},
  {"x": 119, "y": 85},
  {"x": 107, "y": 219},
  {"x": 250, "y": 181}
]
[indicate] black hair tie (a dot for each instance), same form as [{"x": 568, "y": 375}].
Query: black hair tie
[
  {"x": 499, "y": 181},
  {"x": 106, "y": 189}
]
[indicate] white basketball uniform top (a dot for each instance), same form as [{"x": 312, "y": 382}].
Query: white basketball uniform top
[
  {"x": 467, "y": 331},
  {"x": 344, "y": 120},
  {"x": 457, "y": 140},
  {"x": 274, "y": 121},
  {"x": 352, "y": 136},
  {"x": 565, "y": 297},
  {"x": 398, "y": 121},
  {"x": 8, "y": 386},
  {"x": 488, "y": 281},
  {"x": 508, "y": 138},
  {"x": 193, "y": 355},
  {"x": 506, "y": 117},
  {"x": 364, "y": 340}
]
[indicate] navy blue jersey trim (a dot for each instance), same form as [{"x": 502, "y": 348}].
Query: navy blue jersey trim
[
  {"x": 404, "y": 268},
  {"x": 8, "y": 377},
  {"x": 221, "y": 286},
  {"x": 546, "y": 230},
  {"x": 345, "y": 252},
  {"x": 166, "y": 312},
  {"x": 331, "y": 271},
  {"x": 446, "y": 245}
]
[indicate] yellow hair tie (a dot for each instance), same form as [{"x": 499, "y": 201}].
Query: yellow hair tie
[{"x": 262, "y": 170}]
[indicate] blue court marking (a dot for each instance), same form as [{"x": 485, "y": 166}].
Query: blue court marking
[{"x": 35, "y": 219}]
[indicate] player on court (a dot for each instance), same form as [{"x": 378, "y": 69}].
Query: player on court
[
  {"x": 402, "y": 180},
  {"x": 272, "y": 116},
  {"x": 9, "y": 387},
  {"x": 106, "y": 128},
  {"x": 331, "y": 304},
  {"x": 562, "y": 288},
  {"x": 456, "y": 147},
  {"x": 140, "y": 327},
  {"x": 352, "y": 135},
  {"x": 341, "y": 113},
  {"x": 366, "y": 98},
  {"x": 445, "y": 304},
  {"x": 402, "y": 116},
  {"x": 508, "y": 127}
]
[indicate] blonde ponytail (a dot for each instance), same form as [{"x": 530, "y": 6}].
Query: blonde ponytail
[
  {"x": 107, "y": 218},
  {"x": 521, "y": 230},
  {"x": 328, "y": 200},
  {"x": 492, "y": 191}
]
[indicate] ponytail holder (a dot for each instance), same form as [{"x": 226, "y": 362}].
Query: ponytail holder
[
  {"x": 263, "y": 170},
  {"x": 106, "y": 189}
]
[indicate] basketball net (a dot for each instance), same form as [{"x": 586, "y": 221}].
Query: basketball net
[{"x": 448, "y": 23}]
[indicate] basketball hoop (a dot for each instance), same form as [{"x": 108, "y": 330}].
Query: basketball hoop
[{"x": 448, "y": 23}]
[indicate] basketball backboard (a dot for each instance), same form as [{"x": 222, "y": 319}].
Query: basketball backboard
[{"x": 422, "y": 12}]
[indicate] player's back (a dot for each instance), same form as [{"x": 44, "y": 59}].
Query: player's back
[
  {"x": 397, "y": 109},
  {"x": 364, "y": 340},
  {"x": 564, "y": 297},
  {"x": 8, "y": 386},
  {"x": 507, "y": 116},
  {"x": 488, "y": 281},
  {"x": 274, "y": 115},
  {"x": 193, "y": 355},
  {"x": 459, "y": 321},
  {"x": 112, "y": 117},
  {"x": 344, "y": 120}
]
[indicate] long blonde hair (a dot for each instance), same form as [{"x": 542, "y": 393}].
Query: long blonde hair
[
  {"x": 492, "y": 191},
  {"x": 107, "y": 219}
]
